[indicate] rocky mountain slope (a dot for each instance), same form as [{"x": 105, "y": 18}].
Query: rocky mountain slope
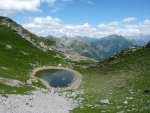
[
  {"x": 36, "y": 41},
  {"x": 98, "y": 49},
  {"x": 141, "y": 40}
]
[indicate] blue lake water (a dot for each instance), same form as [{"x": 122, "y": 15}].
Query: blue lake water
[{"x": 57, "y": 78}]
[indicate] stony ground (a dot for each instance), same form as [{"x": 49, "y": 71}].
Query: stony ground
[{"x": 37, "y": 102}]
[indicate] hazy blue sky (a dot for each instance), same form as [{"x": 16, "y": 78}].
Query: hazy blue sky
[{"x": 70, "y": 17}]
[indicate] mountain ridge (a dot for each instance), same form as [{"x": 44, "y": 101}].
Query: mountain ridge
[{"x": 98, "y": 49}]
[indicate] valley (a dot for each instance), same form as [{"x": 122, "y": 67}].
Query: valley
[
  {"x": 118, "y": 84},
  {"x": 95, "y": 48}
]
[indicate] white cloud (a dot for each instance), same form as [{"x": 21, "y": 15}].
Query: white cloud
[
  {"x": 147, "y": 21},
  {"x": 54, "y": 26},
  {"x": 44, "y": 26},
  {"x": 129, "y": 19},
  {"x": 105, "y": 27},
  {"x": 8, "y": 7},
  {"x": 21, "y": 5},
  {"x": 114, "y": 23}
]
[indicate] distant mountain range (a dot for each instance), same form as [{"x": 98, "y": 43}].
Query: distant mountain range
[
  {"x": 140, "y": 40},
  {"x": 98, "y": 49}
]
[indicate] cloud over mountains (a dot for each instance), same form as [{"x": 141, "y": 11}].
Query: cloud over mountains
[
  {"x": 129, "y": 26},
  {"x": 48, "y": 25}
]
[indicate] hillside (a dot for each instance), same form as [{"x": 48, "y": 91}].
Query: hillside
[
  {"x": 21, "y": 52},
  {"x": 118, "y": 85},
  {"x": 38, "y": 42},
  {"x": 110, "y": 45},
  {"x": 19, "y": 56},
  {"x": 95, "y": 48}
]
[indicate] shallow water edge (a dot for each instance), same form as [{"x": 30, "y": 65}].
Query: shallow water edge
[{"x": 74, "y": 85}]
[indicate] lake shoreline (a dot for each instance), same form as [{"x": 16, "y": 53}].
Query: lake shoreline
[{"x": 74, "y": 85}]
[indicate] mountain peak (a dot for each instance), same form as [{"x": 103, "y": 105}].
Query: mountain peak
[
  {"x": 114, "y": 36},
  {"x": 30, "y": 37},
  {"x": 6, "y": 19}
]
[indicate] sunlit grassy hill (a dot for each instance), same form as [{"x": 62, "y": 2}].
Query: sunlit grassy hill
[
  {"x": 18, "y": 56},
  {"x": 119, "y": 84},
  {"x": 22, "y": 51}
]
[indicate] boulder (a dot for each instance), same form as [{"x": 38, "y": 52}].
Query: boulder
[
  {"x": 147, "y": 90},
  {"x": 104, "y": 101}
]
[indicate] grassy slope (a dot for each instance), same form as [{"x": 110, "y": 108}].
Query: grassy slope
[
  {"x": 20, "y": 62},
  {"x": 17, "y": 62},
  {"x": 121, "y": 80},
  {"x": 18, "y": 57}
]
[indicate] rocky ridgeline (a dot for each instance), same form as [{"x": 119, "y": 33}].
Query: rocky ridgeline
[{"x": 37, "y": 42}]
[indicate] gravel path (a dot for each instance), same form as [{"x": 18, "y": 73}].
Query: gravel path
[{"x": 37, "y": 102}]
